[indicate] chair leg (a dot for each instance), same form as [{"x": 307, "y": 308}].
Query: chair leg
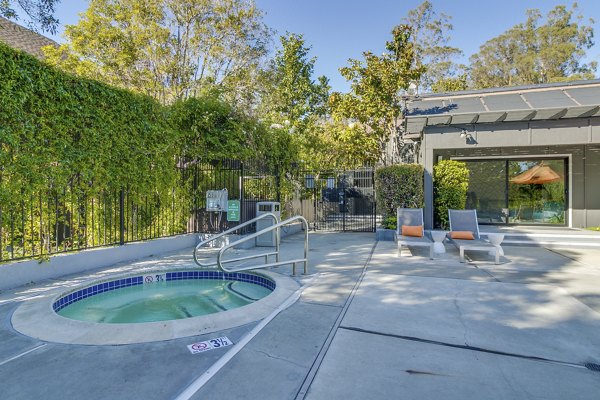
[
  {"x": 462, "y": 255},
  {"x": 497, "y": 254},
  {"x": 399, "y": 250},
  {"x": 431, "y": 251}
]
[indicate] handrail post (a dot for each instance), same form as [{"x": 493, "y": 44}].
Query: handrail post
[
  {"x": 277, "y": 263},
  {"x": 277, "y": 243},
  {"x": 235, "y": 228},
  {"x": 305, "y": 249}
]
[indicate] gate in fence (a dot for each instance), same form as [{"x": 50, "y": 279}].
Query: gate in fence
[{"x": 342, "y": 201}]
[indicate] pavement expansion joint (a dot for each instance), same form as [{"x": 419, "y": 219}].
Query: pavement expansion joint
[
  {"x": 468, "y": 347},
  {"x": 315, "y": 303},
  {"x": 485, "y": 271},
  {"x": 310, "y": 376}
]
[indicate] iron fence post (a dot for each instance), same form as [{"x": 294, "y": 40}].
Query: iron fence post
[
  {"x": 121, "y": 217},
  {"x": 278, "y": 182}
]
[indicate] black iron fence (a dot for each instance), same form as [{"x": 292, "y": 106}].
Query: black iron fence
[
  {"x": 74, "y": 218},
  {"x": 342, "y": 201}
]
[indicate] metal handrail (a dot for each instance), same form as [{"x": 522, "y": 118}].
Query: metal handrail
[
  {"x": 235, "y": 228},
  {"x": 267, "y": 264}
]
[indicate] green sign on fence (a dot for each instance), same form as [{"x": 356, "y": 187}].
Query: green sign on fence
[{"x": 233, "y": 210}]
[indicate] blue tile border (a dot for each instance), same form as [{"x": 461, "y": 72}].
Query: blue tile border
[{"x": 89, "y": 291}]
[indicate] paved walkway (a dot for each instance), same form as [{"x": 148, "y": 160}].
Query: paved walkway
[
  {"x": 370, "y": 325},
  {"x": 417, "y": 329}
]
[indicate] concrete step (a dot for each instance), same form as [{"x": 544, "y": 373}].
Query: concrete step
[{"x": 566, "y": 238}]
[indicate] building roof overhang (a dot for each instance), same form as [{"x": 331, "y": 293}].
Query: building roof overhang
[{"x": 518, "y": 104}]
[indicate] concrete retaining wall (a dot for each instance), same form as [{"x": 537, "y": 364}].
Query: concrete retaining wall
[{"x": 32, "y": 271}]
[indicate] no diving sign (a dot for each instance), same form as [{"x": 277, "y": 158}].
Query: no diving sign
[{"x": 209, "y": 345}]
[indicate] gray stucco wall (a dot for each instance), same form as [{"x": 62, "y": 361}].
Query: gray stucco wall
[{"x": 578, "y": 139}]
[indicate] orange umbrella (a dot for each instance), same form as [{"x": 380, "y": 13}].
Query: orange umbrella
[{"x": 538, "y": 174}]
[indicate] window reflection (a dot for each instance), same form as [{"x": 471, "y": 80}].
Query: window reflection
[
  {"x": 518, "y": 191},
  {"x": 536, "y": 192}
]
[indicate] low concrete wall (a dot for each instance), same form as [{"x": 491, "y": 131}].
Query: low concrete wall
[{"x": 32, "y": 271}]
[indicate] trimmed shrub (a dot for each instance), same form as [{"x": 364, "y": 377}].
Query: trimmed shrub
[
  {"x": 451, "y": 181},
  {"x": 398, "y": 186}
]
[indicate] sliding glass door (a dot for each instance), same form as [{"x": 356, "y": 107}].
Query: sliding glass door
[
  {"x": 487, "y": 190},
  {"x": 518, "y": 191},
  {"x": 536, "y": 192}
]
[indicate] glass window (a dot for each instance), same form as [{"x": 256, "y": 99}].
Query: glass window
[
  {"x": 487, "y": 190},
  {"x": 536, "y": 191},
  {"x": 518, "y": 191}
]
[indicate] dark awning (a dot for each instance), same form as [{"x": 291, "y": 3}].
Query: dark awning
[{"x": 533, "y": 103}]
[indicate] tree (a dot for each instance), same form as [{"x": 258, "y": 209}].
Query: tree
[
  {"x": 451, "y": 84},
  {"x": 291, "y": 96},
  {"x": 375, "y": 99},
  {"x": 292, "y": 100},
  {"x": 167, "y": 49},
  {"x": 534, "y": 52},
  {"x": 39, "y": 12},
  {"x": 430, "y": 38}
]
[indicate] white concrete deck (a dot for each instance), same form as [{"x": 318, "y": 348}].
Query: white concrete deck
[{"x": 371, "y": 325}]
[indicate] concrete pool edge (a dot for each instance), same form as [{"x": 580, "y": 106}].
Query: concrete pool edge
[{"x": 36, "y": 318}]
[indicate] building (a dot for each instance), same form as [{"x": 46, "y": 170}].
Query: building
[
  {"x": 533, "y": 151},
  {"x": 21, "y": 38}
]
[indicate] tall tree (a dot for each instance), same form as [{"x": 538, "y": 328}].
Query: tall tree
[
  {"x": 536, "y": 51},
  {"x": 169, "y": 49},
  {"x": 375, "y": 100},
  {"x": 293, "y": 100},
  {"x": 39, "y": 12},
  {"x": 430, "y": 38},
  {"x": 291, "y": 95}
]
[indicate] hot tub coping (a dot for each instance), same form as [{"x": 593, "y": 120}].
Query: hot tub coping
[{"x": 36, "y": 318}]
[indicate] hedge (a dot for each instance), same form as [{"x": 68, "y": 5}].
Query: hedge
[
  {"x": 451, "y": 181},
  {"x": 398, "y": 186},
  {"x": 68, "y": 145},
  {"x": 58, "y": 128}
]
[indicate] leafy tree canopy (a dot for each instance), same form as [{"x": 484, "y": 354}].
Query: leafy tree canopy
[
  {"x": 292, "y": 100},
  {"x": 168, "y": 49},
  {"x": 39, "y": 12},
  {"x": 290, "y": 95},
  {"x": 297, "y": 95},
  {"x": 537, "y": 51},
  {"x": 430, "y": 38},
  {"x": 377, "y": 84}
]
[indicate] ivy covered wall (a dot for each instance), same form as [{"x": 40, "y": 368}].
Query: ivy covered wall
[
  {"x": 62, "y": 129},
  {"x": 78, "y": 158}
]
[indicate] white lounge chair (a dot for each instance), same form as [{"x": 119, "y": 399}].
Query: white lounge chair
[
  {"x": 466, "y": 221},
  {"x": 411, "y": 217}
]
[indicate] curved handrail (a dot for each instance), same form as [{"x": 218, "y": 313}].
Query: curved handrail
[
  {"x": 235, "y": 228},
  {"x": 277, "y": 263}
]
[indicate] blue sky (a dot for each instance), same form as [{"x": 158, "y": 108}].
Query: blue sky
[{"x": 341, "y": 29}]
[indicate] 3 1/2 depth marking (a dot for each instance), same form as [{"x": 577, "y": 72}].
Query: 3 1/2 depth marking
[{"x": 210, "y": 344}]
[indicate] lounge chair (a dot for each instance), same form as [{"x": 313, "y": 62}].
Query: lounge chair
[
  {"x": 466, "y": 221},
  {"x": 411, "y": 217}
]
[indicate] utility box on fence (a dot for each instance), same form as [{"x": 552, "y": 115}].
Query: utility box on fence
[{"x": 262, "y": 207}]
